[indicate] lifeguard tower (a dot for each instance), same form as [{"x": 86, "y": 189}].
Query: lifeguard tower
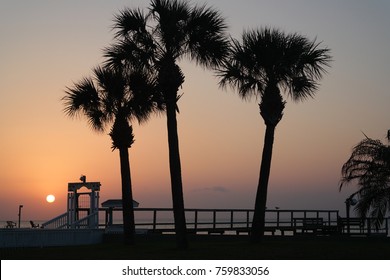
[{"x": 83, "y": 205}]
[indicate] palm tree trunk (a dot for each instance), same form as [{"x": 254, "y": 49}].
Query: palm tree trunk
[
  {"x": 127, "y": 197},
  {"x": 176, "y": 182},
  {"x": 258, "y": 223}
]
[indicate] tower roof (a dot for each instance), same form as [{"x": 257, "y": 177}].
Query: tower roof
[{"x": 116, "y": 203}]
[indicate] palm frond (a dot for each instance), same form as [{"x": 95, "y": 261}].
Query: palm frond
[
  {"x": 170, "y": 17},
  {"x": 207, "y": 41},
  {"x": 145, "y": 99},
  {"x": 131, "y": 53},
  {"x": 373, "y": 203},
  {"x": 315, "y": 60},
  {"x": 83, "y": 99},
  {"x": 301, "y": 88},
  {"x": 240, "y": 72},
  {"x": 111, "y": 93},
  {"x": 369, "y": 165},
  {"x": 129, "y": 23},
  {"x": 134, "y": 46}
]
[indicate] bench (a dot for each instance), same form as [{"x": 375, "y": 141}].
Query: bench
[
  {"x": 356, "y": 225},
  {"x": 33, "y": 225},
  {"x": 10, "y": 224},
  {"x": 309, "y": 225}
]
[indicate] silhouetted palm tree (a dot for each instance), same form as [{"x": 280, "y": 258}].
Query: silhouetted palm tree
[
  {"x": 369, "y": 165},
  {"x": 266, "y": 62},
  {"x": 110, "y": 98},
  {"x": 171, "y": 31}
]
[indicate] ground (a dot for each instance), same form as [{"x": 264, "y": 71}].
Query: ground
[{"x": 216, "y": 247}]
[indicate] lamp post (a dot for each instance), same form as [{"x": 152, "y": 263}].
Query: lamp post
[
  {"x": 20, "y": 214},
  {"x": 350, "y": 201}
]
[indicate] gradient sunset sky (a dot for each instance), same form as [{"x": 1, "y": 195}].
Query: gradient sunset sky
[{"x": 47, "y": 45}]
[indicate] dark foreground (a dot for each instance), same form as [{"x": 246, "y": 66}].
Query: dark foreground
[{"x": 216, "y": 247}]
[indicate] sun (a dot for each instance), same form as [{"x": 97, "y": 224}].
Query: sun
[{"x": 50, "y": 198}]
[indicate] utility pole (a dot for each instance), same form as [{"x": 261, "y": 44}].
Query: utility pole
[{"x": 20, "y": 214}]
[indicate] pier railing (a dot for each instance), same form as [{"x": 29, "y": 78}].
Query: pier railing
[
  {"x": 58, "y": 222},
  {"x": 278, "y": 221},
  {"x": 62, "y": 222},
  {"x": 222, "y": 220}
]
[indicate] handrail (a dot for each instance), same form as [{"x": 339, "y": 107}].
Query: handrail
[
  {"x": 86, "y": 222},
  {"x": 161, "y": 219},
  {"x": 60, "y": 221}
]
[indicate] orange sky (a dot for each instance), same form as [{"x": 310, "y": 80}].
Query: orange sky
[{"x": 47, "y": 46}]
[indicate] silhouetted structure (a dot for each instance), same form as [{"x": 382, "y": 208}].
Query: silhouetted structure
[
  {"x": 33, "y": 225},
  {"x": 112, "y": 204},
  {"x": 82, "y": 207},
  {"x": 172, "y": 30},
  {"x": 264, "y": 64},
  {"x": 369, "y": 166},
  {"x": 115, "y": 98},
  {"x": 10, "y": 224}
]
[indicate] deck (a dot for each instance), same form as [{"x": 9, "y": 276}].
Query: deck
[
  {"x": 59, "y": 232},
  {"x": 239, "y": 221},
  {"x": 224, "y": 221}
]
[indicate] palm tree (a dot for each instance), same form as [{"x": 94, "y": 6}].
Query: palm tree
[
  {"x": 369, "y": 165},
  {"x": 110, "y": 98},
  {"x": 172, "y": 30},
  {"x": 266, "y": 63}
]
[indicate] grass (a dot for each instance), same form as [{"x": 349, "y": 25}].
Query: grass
[{"x": 215, "y": 247}]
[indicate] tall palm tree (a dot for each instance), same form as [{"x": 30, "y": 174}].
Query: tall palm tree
[
  {"x": 171, "y": 31},
  {"x": 266, "y": 63},
  {"x": 110, "y": 98},
  {"x": 369, "y": 165}
]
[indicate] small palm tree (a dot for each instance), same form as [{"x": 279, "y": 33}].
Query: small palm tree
[
  {"x": 110, "y": 98},
  {"x": 171, "y": 31},
  {"x": 369, "y": 165},
  {"x": 266, "y": 63}
]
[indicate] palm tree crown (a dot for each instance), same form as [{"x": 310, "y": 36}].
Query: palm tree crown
[
  {"x": 109, "y": 96},
  {"x": 369, "y": 166},
  {"x": 269, "y": 57},
  {"x": 172, "y": 30}
]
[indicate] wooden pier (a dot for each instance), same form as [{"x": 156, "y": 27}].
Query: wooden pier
[
  {"x": 234, "y": 221},
  {"x": 224, "y": 221}
]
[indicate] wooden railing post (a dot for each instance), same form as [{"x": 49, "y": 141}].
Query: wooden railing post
[
  {"x": 154, "y": 219},
  {"x": 196, "y": 220},
  {"x": 368, "y": 226}
]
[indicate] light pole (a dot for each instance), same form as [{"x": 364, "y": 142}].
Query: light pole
[
  {"x": 20, "y": 214},
  {"x": 350, "y": 201}
]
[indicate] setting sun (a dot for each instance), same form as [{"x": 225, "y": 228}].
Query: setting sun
[{"x": 50, "y": 198}]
